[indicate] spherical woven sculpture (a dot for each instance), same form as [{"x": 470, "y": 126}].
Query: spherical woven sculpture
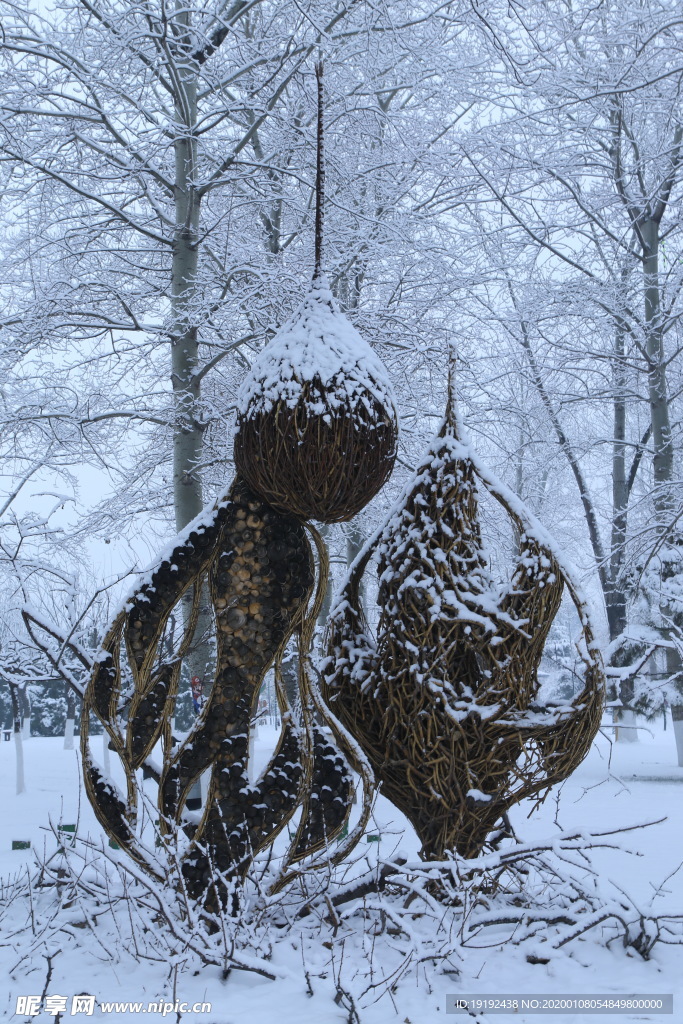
[{"x": 317, "y": 425}]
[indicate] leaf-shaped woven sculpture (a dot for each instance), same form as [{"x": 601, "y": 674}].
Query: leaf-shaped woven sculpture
[{"x": 444, "y": 702}]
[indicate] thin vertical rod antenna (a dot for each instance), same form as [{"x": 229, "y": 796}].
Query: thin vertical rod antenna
[
  {"x": 451, "y": 404},
  {"x": 319, "y": 178}
]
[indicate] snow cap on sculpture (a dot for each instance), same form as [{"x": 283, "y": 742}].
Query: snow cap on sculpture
[
  {"x": 317, "y": 422},
  {"x": 317, "y": 426}
]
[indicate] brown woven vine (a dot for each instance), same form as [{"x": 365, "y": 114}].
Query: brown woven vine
[
  {"x": 259, "y": 570},
  {"x": 445, "y": 702}
]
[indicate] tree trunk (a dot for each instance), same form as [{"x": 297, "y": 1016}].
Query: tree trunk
[
  {"x": 25, "y": 704},
  {"x": 615, "y": 597},
  {"x": 70, "y": 719},
  {"x": 19, "y": 750},
  {"x": 187, "y": 438},
  {"x": 677, "y": 716},
  {"x": 354, "y": 544},
  {"x": 324, "y": 613},
  {"x": 188, "y": 431},
  {"x": 663, "y": 461},
  {"x": 18, "y": 739},
  {"x": 624, "y": 719}
]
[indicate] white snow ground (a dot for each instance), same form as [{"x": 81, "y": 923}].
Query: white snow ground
[{"x": 638, "y": 783}]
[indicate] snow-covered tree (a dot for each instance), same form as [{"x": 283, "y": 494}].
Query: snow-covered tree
[{"x": 582, "y": 168}]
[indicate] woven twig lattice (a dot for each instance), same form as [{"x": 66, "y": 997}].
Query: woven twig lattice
[
  {"x": 324, "y": 467},
  {"x": 258, "y": 568},
  {"x": 444, "y": 703}
]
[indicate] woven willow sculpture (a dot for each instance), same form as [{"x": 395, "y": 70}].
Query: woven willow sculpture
[
  {"x": 316, "y": 438},
  {"x": 259, "y": 570},
  {"x": 445, "y": 702},
  {"x": 322, "y": 445},
  {"x": 317, "y": 425}
]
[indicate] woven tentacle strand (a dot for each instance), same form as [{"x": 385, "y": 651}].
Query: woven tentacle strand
[
  {"x": 260, "y": 586},
  {"x": 329, "y": 798},
  {"x": 332, "y": 756},
  {"x": 116, "y": 813},
  {"x": 564, "y": 747},
  {"x": 148, "y": 712},
  {"x": 104, "y": 688},
  {"x": 310, "y": 834},
  {"x": 135, "y": 719},
  {"x": 153, "y": 703},
  {"x": 327, "y": 806},
  {"x": 329, "y": 783},
  {"x": 152, "y": 604},
  {"x": 508, "y": 768},
  {"x": 564, "y": 744},
  {"x": 155, "y": 679}
]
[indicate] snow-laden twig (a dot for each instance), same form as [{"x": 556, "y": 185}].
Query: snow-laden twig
[{"x": 385, "y": 924}]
